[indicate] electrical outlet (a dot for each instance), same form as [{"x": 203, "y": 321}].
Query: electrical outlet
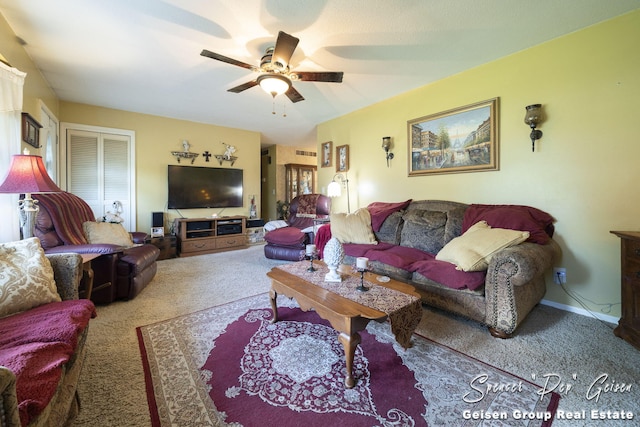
[{"x": 560, "y": 276}]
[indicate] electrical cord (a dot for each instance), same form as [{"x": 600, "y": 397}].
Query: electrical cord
[{"x": 578, "y": 298}]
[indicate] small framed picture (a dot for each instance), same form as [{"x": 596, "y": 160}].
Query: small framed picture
[
  {"x": 30, "y": 130},
  {"x": 342, "y": 158},
  {"x": 326, "y": 154}
]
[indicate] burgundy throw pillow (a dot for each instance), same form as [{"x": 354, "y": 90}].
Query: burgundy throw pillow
[
  {"x": 446, "y": 274},
  {"x": 538, "y": 223},
  {"x": 380, "y": 211},
  {"x": 286, "y": 236}
]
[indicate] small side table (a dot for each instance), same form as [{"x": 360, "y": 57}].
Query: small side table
[
  {"x": 629, "y": 325},
  {"x": 167, "y": 245},
  {"x": 87, "y": 276}
]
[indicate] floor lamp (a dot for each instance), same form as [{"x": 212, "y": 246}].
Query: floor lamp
[
  {"x": 27, "y": 175},
  {"x": 334, "y": 190}
]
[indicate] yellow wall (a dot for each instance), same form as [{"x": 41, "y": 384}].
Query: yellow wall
[
  {"x": 156, "y": 137},
  {"x": 35, "y": 86},
  {"x": 584, "y": 171},
  {"x": 275, "y": 177},
  {"x": 286, "y": 155}
]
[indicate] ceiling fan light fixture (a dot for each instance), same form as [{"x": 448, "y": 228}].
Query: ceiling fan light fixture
[{"x": 274, "y": 84}]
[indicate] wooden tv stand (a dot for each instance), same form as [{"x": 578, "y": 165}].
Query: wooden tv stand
[{"x": 198, "y": 236}]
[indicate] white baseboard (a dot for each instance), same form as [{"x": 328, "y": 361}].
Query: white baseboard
[{"x": 581, "y": 311}]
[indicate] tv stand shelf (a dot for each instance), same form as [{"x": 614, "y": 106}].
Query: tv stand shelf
[{"x": 198, "y": 236}]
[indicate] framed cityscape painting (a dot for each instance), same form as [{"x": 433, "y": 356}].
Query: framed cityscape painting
[{"x": 463, "y": 139}]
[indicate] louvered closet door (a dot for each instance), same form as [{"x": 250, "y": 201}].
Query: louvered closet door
[{"x": 98, "y": 171}]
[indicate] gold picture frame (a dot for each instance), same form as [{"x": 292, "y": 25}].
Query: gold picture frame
[
  {"x": 463, "y": 139},
  {"x": 326, "y": 152},
  {"x": 342, "y": 158}
]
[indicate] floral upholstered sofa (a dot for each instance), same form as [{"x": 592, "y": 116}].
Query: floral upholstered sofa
[
  {"x": 43, "y": 330},
  {"x": 485, "y": 262}
]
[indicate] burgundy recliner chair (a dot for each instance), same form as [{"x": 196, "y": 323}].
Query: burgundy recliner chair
[
  {"x": 288, "y": 243},
  {"x": 119, "y": 273}
]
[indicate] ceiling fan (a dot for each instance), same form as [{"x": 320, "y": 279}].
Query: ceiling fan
[{"x": 275, "y": 75}]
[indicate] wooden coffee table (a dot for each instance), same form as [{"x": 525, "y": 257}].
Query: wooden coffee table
[{"x": 346, "y": 316}]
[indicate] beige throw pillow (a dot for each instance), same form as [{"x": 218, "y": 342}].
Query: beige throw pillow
[
  {"x": 353, "y": 228},
  {"x": 26, "y": 277},
  {"x": 106, "y": 232},
  {"x": 473, "y": 250}
]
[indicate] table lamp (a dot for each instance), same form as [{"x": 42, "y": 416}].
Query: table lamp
[{"x": 27, "y": 175}]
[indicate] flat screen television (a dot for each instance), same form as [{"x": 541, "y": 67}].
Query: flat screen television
[{"x": 192, "y": 187}]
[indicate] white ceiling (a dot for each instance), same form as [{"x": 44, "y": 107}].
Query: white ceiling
[{"x": 144, "y": 55}]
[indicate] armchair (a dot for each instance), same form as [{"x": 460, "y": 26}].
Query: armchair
[
  {"x": 120, "y": 272},
  {"x": 42, "y": 351},
  {"x": 288, "y": 243}
]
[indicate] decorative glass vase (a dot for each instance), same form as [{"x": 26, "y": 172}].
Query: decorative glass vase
[{"x": 333, "y": 256}]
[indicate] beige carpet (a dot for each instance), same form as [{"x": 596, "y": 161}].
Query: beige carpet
[{"x": 555, "y": 347}]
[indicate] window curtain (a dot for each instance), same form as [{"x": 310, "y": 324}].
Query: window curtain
[{"x": 11, "y": 86}]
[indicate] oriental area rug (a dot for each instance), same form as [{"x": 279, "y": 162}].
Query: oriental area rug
[{"x": 229, "y": 365}]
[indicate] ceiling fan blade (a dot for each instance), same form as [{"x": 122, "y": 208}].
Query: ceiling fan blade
[
  {"x": 285, "y": 45},
  {"x": 321, "y": 76},
  {"x": 294, "y": 95},
  {"x": 244, "y": 86},
  {"x": 226, "y": 59}
]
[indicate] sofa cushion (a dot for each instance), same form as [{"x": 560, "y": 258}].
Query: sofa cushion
[
  {"x": 26, "y": 277},
  {"x": 391, "y": 229},
  {"x": 473, "y": 250},
  {"x": 538, "y": 223},
  {"x": 138, "y": 258},
  {"x": 380, "y": 211},
  {"x": 45, "y": 231},
  {"x": 36, "y": 344},
  {"x": 446, "y": 274},
  {"x": 424, "y": 230},
  {"x": 353, "y": 228},
  {"x": 106, "y": 232},
  {"x": 287, "y": 236}
]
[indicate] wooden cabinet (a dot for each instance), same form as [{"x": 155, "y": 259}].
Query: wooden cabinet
[
  {"x": 299, "y": 179},
  {"x": 167, "y": 244},
  {"x": 629, "y": 324},
  {"x": 197, "y": 236}
]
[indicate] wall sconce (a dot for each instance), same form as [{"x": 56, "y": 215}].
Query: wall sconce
[
  {"x": 386, "y": 146},
  {"x": 334, "y": 190},
  {"x": 533, "y": 118}
]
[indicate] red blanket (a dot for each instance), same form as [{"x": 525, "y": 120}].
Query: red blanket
[
  {"x": 380, "y": 211},
  {"x": 68, "y": 213},
  {"x": 35, "y": 344}
]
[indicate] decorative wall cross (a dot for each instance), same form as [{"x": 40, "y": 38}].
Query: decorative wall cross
[{"x": 206, "y": 155}]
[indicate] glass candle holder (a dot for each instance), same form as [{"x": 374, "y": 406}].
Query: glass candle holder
[
  {"x": 310, "y": 252},
  {"x": 362, "y": 265}
]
